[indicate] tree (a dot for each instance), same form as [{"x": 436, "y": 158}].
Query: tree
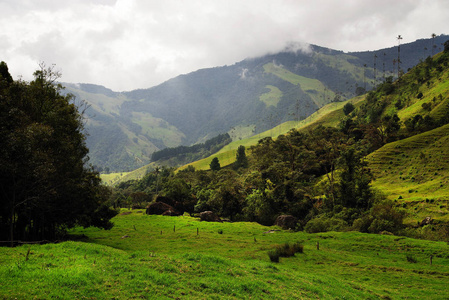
[
  {"x": 446, "y": 46},
  {"x": 241, "y": 159},
  {"x": 433, "y": 36},
  {"x": 354, "y": 190},
  {"x": 45, "y": 183},
  {"x": 215, "y": 164},
  {"x": 399, "y": 38},
  {"x": 348, "y": 108}
]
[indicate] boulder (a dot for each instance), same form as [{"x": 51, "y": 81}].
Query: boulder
[
  {"x": 209, "y": 216},
  {"x": 161, "y": 208},
  {"x": 178, "y": 206},
  {"x": 426, "y": 221},
  {"x": 286, "y": 221}
]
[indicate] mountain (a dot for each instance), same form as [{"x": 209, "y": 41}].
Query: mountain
[{"x": 244, "y": 99}]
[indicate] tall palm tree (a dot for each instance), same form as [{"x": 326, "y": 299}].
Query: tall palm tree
[
  {"x": 375, "y": 69},
  {"x": 433, "y": 42},
  {"x": 399, "y": 55},
  {"x": 157, "y": 170}
]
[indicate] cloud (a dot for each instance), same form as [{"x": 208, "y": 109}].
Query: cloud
[{"x": 128, "y": 44}]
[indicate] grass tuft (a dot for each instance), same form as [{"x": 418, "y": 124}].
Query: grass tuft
[
  {"x": 411, "y": 258},
  {"x": 285, "y": 250}
]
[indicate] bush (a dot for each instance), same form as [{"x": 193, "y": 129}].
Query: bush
[
  {"x": 348, "y": 108},
  {"x": 323, "y": 224},
  {"x": 285, "y": 250},
  {"x": 274, "y": 255},
  {"x": 382, "y": 217},
  {"x": 411, "y": 258}
]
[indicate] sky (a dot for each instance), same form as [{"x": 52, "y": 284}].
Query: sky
[{"x": 130, "y": 44}]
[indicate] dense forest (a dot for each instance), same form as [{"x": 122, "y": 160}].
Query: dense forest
[
  {"x": 318, "y": 175},
  {"x": 46, "y": 185}
]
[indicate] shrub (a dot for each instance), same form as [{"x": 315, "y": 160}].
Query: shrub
[
  {"x": 382, "y": 217},
  {"x": 411, "y": 258},
  {"x": 274, "y": 255},
  {"x": 323, "y": 224},
  {"x": 348, "y": 108},
  {"x": 285, "y": 250}
]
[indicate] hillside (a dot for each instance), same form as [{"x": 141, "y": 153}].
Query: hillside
[
  {"x": 415, "y": 172},
  {"x": 243, "y": 99}
]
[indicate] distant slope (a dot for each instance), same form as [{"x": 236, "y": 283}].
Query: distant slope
[{"x": 120, "y": 141}]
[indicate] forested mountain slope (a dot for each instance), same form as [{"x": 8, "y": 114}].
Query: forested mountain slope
[{"x": 246, "y": 98}]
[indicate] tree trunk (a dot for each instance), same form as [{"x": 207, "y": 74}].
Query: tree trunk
[{"x": 11, "y": 226}]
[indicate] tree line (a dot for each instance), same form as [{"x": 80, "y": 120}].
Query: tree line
[{"x": 46, "y": 184}]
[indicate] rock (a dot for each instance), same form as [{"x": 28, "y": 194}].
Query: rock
[
  {"x": 286, "y": 221},
  {"x": 209, "y": 216},
  {"x": 426, "y": 221},
  {"x": 178, "y": 206},
  {"x": 386, "y": 233},
  {"x": 271, "y": 231},
  {"x": 161, "y": 208},
  {"x": 171, "y": 212}
]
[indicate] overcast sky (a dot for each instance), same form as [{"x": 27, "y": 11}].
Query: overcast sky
[{"x": 129, "y": 44}]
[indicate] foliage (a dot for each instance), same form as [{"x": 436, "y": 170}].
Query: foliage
[
  {"x": 348, "y": 108},
  {"x": 46, "y": 185},
  {"x": 383, "y": 216},
  {"x": 323, "y": 223},
  {"x": 285, "y": 250},
  {"x": 215, "y": 164},
  {"x": 241, "y": 159}
]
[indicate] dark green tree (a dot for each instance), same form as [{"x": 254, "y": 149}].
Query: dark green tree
[
  {"x": 45, "y": 183},
  {"x": 354, "y": 190},
  {"x": 215, "y": 164},
  {"x": 241, "y": 159},
  {"x": 446, "y": 46},
  {"x": 348, "y": 108}
]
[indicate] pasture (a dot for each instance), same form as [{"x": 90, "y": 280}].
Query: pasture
[{"x": 183, "y": 258}]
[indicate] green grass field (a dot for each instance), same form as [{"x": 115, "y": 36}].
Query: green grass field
[
  {"x": 156, "y": 257},
  {"x": 313, "y": 87},
  {"x": 272, "y": 97}
]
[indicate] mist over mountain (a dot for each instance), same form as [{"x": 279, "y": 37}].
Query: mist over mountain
[{"x": 243, "y": 99}]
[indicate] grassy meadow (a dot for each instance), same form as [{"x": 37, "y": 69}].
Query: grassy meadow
[{"x": 158, "y": 257}]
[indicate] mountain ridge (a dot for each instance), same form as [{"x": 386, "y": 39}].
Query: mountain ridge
[{"x": 194, "y": 107}]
